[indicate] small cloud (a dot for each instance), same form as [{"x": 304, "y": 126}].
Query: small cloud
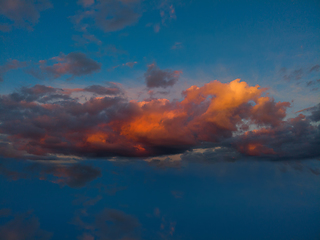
[
  {"x": 177, "y": 45},
  {"x": 177, "y": 194},
  {"x": 155, "y": 77},
  {"x": 22, "y": 13},
  {"x": 109, "y": 16},
  {"x": 167, "y": 12},
  {"x": 75, "y": 64},
  {"x": 129, "y": 64},
  {"x": 156, "y": 28}
]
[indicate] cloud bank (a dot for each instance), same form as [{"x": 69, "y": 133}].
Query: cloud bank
[{"x": 43, "y": 122}]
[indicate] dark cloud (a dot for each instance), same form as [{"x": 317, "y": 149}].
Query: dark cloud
[
  {"x": 22, "y": 13},
  {"x": 75, "y": 64},
  {"x": 155, "y": 77},
  {"x": 49, "y": 123},
  {"x": 296, "y": 138},
  {"x": 108, "y": 15},
  {"x": 300, "y": 73},
  {"x": 312, "y": 83},
  {"x": 315, "y": 68},
  {"x": 315, "y": 113},
  {"x": 23, "y": 227},
  {"x": 10, "y": 65},
  {"x": 103, "y": 90}
]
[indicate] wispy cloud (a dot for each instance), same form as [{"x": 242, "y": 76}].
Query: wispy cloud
[{"x": 10, "y": 65}]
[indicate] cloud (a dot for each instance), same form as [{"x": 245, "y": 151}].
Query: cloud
[
  {"x": 167, "y": 12},
  {"x": 10, "y": 65},
  {"x": 71, "y": 175},
  {"x": 85, "y": 39},
  {"x": 74, "y": 176},
  {"x": 177, "y": 45},
  {"x": 108, "y": 15},
  {"x": 315, "y": 68},
  {"x": 300, "y": 73},
  {"x": 22, "y": 13},
  {"x": 86, "y": 3},
  {"x": 115, "y": 224},
  {"x": 75, "y": 64},
  {"x": 155, "y": 77},
  {"x": 128, "y": 64},
  {"x": 110, "y": 224},
  {"x": 49, "y": 123},
  {"x": 293, "y": 75},
  {"x": 23, "y": 227}
]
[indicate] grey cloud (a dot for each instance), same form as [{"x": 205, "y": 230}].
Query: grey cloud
[
  {"x": 75, "y": 64},
  {"x": 155, "y": 77},
  {"x": 103, "y": 90}
]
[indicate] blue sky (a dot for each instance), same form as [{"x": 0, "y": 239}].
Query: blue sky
[{"x": 112, "y": 125}]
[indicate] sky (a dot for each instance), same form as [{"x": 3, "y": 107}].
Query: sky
[{"x": 159, "y": 119}]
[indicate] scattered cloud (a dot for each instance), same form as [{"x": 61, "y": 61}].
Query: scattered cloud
[
  {"x": 301, "y": 73},
  {"x": 107, "y": 15},
  {"x": 155, "y": 77},
  {"x": 22, "y": 13},
  {"x": 167, "y": 12},
  {"x": 293, "y": 75},
  {"x": 109, "y": 224},
  {"x": 48, "y": 123}
]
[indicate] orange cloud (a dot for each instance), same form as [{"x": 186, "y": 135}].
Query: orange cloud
[{"x": 110, "y": 125}]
